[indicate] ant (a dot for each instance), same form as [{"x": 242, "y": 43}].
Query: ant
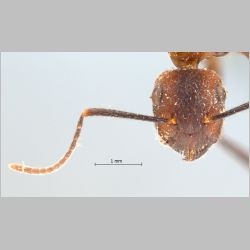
[{"x": 188, "y": 107}]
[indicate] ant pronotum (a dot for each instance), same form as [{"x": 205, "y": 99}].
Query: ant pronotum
[{"x": 188, "y": 107}]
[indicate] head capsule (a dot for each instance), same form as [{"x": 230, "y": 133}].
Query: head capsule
[{"x": 188, "y": 97}]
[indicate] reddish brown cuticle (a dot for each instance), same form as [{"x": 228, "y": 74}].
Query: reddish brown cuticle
[{"x": 189, "y": 96}]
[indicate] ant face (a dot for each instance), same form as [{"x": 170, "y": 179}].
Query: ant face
[{"x": 185, "y": 98}]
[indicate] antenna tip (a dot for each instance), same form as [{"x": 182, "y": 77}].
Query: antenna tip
[{"x": 16, "y": 167}]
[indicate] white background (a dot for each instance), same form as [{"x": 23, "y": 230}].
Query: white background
[{"x": 41, "y": 100}]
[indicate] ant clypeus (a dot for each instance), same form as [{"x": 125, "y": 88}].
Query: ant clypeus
[{"x": 188, "y": 107}]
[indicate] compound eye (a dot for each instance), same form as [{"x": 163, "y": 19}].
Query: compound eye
[{"x": 157, "y": 95}]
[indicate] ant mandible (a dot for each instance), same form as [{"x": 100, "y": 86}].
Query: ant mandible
[{"x": 188, "y": 107}]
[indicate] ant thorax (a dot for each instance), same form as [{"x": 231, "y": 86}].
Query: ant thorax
[{"x": 186, "y": 98}]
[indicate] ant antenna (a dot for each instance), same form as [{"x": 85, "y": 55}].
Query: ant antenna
[
  {"x": 87, "y": 112},
  {"x": 227, "y": 113},
  {"x": 21, "y": 167}
]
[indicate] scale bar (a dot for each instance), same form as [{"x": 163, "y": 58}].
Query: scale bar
[{"x": 115, "y": 164}]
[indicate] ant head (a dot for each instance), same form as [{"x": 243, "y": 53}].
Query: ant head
[{"x": 188, "y": 97}]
